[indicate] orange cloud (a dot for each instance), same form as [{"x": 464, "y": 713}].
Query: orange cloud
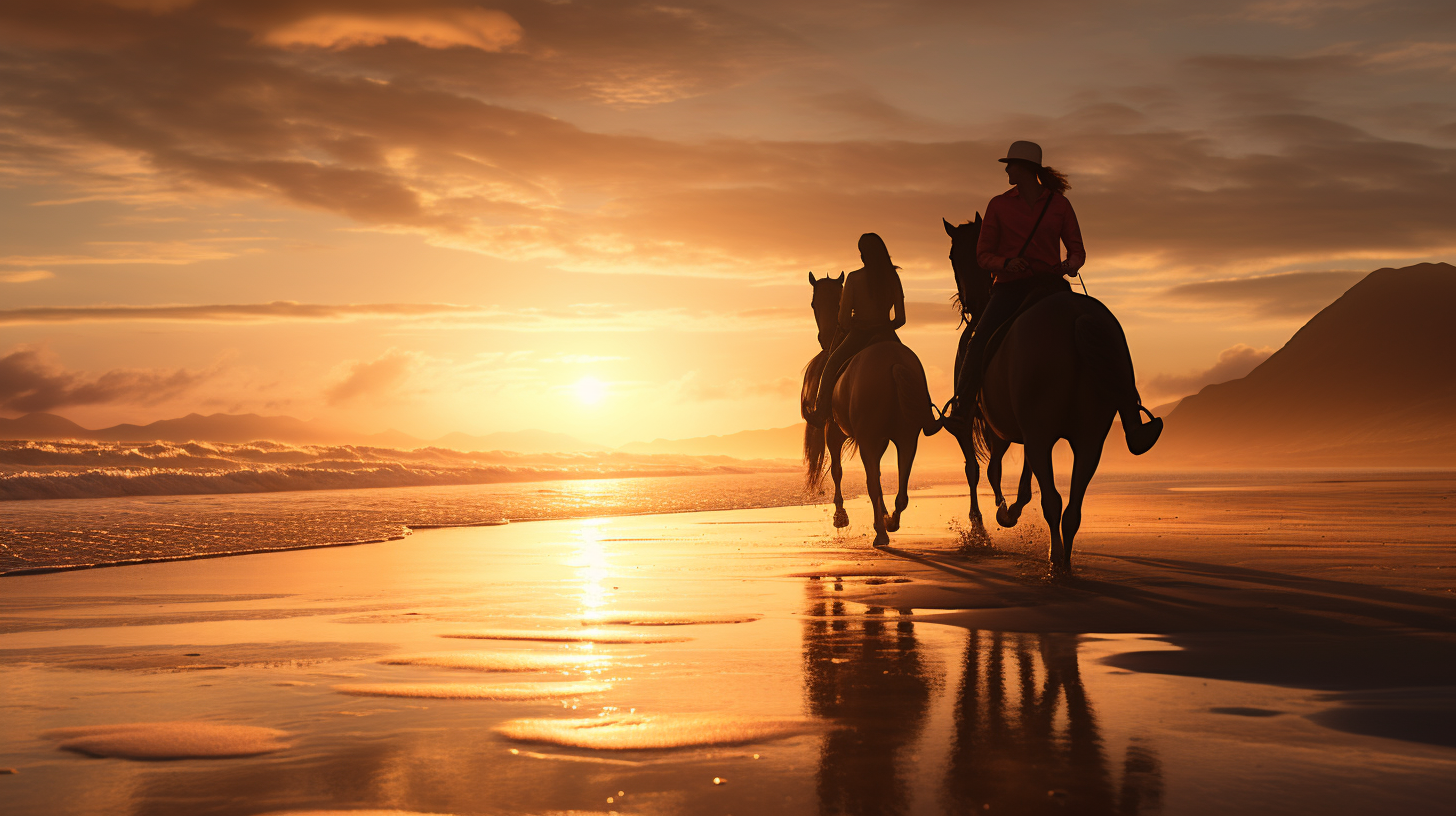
[{"x": 433, "y": 28}]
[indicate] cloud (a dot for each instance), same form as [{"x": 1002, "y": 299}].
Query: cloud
[
  {"x": 374, "y": 378},
  {"x": 31, "y": 382},
  {"x": 427, "y": 140},
  {"x": 27, "y": 276},
  {"x": 432, "y": 28},
  {"x": 1276, "y": 297},
  {"x": 277, "y": 311},
  {"x": 1233, "y": 363}
]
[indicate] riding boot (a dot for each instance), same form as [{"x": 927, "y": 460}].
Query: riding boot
[
  {"x": 1140, "y": 436},
  {"x": 968, "y": 386}
]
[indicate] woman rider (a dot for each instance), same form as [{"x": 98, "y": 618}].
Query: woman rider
[
  {"x": 870, "y": 293},
  {"x": 1021, "y": 244}
]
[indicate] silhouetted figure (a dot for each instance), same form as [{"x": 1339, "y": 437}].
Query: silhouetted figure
[
  {"x": 1020, "y": 244},
  {"x": 864, "y": 674},
  {"x": 864, "y": 386},
  {"x": 870, "y": 294}
]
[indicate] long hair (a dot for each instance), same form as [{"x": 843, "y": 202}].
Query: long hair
[
  {"x": 877, "y": 263},
  {"x": 1053, "y": 180}
]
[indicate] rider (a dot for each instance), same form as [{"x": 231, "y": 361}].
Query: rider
[
  {"x": 864, "y": 316},
  {"x": 1020, "y": 244}
]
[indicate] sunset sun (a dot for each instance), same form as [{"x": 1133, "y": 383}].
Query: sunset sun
[{"x": 590, "y": 390}]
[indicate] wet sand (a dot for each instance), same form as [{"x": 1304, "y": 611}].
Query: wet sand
[{"x": 1231, "y": 644}]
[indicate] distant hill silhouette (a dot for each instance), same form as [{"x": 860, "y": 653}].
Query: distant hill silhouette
[
  {"x": 1369, "y": 380},
  {"x": 241, "y": 428}
]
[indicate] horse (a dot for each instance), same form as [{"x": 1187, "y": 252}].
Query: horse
[
  {"x": 1059, "y": 373},
  {"x": 973, "y": 290},
  {"x": 881, "y": 397}
]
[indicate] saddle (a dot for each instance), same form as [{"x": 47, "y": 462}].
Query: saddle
[
  {"x": 883, "y": 336},
  {"x": 1033, "y": 297}
]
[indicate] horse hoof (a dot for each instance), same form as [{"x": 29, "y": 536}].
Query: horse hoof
[
  {"x": 892, "y": 524},
  {"x": 882, "y": 539},
  {"x": 1005, "y": 517},
  {"x": 841, "y": 519}
]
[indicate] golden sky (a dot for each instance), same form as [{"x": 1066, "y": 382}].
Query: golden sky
[{"x": 597, "y": 217}]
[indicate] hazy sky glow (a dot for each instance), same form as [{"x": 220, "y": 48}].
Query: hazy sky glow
[{"x": 597, "y": 217}]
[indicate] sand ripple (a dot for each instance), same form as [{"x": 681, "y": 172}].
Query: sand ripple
[
  {"x": 170, "y": 740},
  {"x": 628, "y": 733},
  {"x": 566, "y": 636},
  {"x": 501, "y": 661},
  {"x": 473, "y": 691}
]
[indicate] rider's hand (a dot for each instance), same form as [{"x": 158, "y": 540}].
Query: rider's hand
[
  {"x": 1016, "y": 265},
  {"x": 1068, "y": 270}
]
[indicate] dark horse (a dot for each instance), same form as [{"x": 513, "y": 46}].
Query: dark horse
[
  {"x": 973, "y": 289},
  {"x": 881, "y": 397},
  {"x": 1059, "y": 373}
]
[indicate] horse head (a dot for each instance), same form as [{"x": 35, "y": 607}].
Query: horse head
[
  {"x": 826, "y": 306},
  {"x": 973, "y": 284}
]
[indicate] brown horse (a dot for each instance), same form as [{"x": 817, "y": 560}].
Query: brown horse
[
  {"x": 1060, "y": 373},
  {"x": 973, "y": 290},
  {"x": 880, "y": 398}
]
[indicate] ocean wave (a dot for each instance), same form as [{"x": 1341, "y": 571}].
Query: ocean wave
[{"x": 79, "y": 470}]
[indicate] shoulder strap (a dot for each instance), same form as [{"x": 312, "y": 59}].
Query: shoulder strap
[{"x": 1029, "y": 235}]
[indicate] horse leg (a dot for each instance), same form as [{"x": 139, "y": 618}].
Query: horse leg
[
  {"x": 1039, "y": 458},
  {"x": 1012, "y": 514},
  {"x": 835, "y": 439},
  {"x": 973, "y": 479},
  {"x": 870, "y": 451},
  {"x": 1085, "y": 459},
  {"x": 905, "y": 459}
]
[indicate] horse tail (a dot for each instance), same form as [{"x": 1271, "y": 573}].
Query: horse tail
[
  {"x": 810, "y": 390},
  {"x": 980, "y": 429},
  {"x": 1102, "y": 348}
]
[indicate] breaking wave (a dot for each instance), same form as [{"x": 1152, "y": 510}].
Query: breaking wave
[{"x": 83, "y": 470}]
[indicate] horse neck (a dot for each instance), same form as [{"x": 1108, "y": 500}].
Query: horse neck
[{"x": 827, "y": 320}]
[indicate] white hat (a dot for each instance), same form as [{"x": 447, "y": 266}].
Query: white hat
[{"x": 1024, "y": 151}]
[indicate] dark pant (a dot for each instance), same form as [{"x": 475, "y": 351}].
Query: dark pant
[
  {"x": 1006, "y": 298},
  {"x": 853, "y": 343}
]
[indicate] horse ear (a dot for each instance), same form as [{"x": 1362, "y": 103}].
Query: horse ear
[
  {"x": 949, "y": 230},
  {"x": 978, "y": 219},
  {"x": 811, "y": 277},
  {"x": 841, "y": 277}
]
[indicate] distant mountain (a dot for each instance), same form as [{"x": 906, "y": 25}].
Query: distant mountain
[
  {"x": 240, "y": 428},
  {"x": 528, "y": 441},
  {"x": 772, "y": 443},
  {"x": 232, "y": 428},
  {"x": 41, "y": 426},
  {"x": 1369, "y": 380}
]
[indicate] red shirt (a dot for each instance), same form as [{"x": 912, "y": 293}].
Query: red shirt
[{"x": 1008, "y": 221}]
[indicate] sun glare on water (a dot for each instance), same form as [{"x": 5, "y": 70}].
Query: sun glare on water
[{"x": 590, "y": 390}]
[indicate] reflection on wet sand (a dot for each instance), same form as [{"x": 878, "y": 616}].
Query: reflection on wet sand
[
  {"x": 865, "y": 673},
  {"x": 1025, "y": 737}
]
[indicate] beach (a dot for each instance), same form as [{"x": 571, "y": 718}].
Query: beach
[{"x": 1272, "y": 643}]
